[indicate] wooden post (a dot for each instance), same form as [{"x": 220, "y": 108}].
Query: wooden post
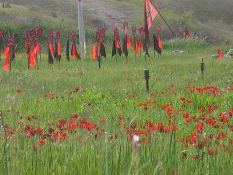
[
  {"x": 147, "y": 76},
  {"x": 202, "y": 68}
]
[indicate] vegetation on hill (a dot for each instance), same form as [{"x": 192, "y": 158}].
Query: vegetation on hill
[{"x": 209, "y": 17}]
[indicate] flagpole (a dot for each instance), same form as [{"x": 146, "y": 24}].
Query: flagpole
[
  {"x": 173, "y": 33},
  {"x": 37, "y": 64},
  {"x": 82, "y": 40},
  {"x": 28, "y": 59},
  {"x": 146, "y": 41},
  {"x": 10, "y": 60}
]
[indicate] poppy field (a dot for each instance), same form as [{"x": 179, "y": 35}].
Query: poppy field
[{"x": 74, "y": 118}]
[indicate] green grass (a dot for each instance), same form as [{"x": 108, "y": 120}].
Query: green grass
[{"x": 107, "y": 93}]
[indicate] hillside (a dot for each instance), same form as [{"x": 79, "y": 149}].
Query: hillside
[{"x": 206, "y": 16}]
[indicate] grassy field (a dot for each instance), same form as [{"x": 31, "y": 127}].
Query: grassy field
[{"x": 73, "y": 118}]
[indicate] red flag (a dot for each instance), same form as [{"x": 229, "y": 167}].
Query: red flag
[
  {"x": 140, "y": 45},
  {"x": 142, "y": 33},
  {"x": 59, "y": 48},
  {"x": 6, "y": 64},
  {"x": 94, "y": 53},
  {"x": 220, "y": 54},
  {"x": 128, "y": 41},
  {"x": 136, "y": 47},
  {"x": 51, "y": 48},
  {"x": 160, "y": 43},
  {"x": 150, "y": 12},
  {"x": 38, "y": 48},
  {"x": 74, "y": 51},
  {"x": 32, "y": 55},
  {"x": 117, "y": 44},
  {"x": 186, "y": 33}
]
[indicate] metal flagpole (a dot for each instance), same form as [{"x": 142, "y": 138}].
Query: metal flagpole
[
  {"x": 165, "y": 22},
  {"x": 81, "y": 28}
]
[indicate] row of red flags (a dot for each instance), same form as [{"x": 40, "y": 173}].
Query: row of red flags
[
  {"x": 36, "y": 49},
  {"x": 98, "y": 50}
]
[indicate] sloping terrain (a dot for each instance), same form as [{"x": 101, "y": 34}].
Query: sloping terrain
[
  {"x": 211, "y": 17},
  {"x": 95, "y": 11}
]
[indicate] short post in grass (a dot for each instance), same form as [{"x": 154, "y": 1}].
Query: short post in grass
[
  {"x": 10, "y": 63},
  {"x": 202, "y": 68},
  {"x": 99, "y": 61},
  {"x": 147, "y": 77},
  {"x": 146, "y": 53}
]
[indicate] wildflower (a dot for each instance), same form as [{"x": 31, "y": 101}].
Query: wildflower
[
  {"x": 121, "y": 118},
  {"x": 38, "y": 131},
  {"x": 149, "y": 124},
  {"x": 141, "y": 132},
  {"x": 211, "y": 152},
  {"x": 210, "y": 121},
  {"x": 145, "y": 105},
  {"x": 221, "y": 135},
  {"x": 201, "y": 109},
  {"x": 186, "y": 100},
  {"x": 159, "y": 127},
  {"x": 18, "y": 90},
  {"x": 168, "y": 109},
  {"x": 41, "y": 142},
  {"x": 71, "y": 126},
  {"x": 61, "y": 123},
  {"x": 193, "y": 138},
  {"x": 224, "y": 117},
  {"x": 58, "y": 136},
  {"x": 187, "y": 118},
  {"x": 75, "y": 116},
  {"x": 200, "y": 127},
  {"x": 89, "y": 126},
  {"x": 211, "y": 109},
  {"x": 172, "y": 126}
]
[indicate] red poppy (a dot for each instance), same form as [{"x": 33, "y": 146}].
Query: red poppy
[
  {"x": 225, "y": 117},
  {"x": 159, "y": 127},
  {"x": 18, "y": 90},
  {"x": 211, "y": 152},
  {"x": 193, "y": 138},
  {"x": 187, "y": 118},
  {"x": 41, "y": 142},
  {"x": 211, "y": 108},
  {"x": 121, "y": 118},
  {"x": 221, "y": 135},
  {"x": 71, "y": 126},
  {"x": 200, "y": 127},
  {"x": 172, "y": 126},
  {"x": 186, "y": 100},
  {"x": 89, "y": 126},
  {"x": 61, "y": 123},
  {"x": 211, "y": 121}
]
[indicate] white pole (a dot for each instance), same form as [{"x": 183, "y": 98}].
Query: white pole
[{"x": 81, "y": 28}]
